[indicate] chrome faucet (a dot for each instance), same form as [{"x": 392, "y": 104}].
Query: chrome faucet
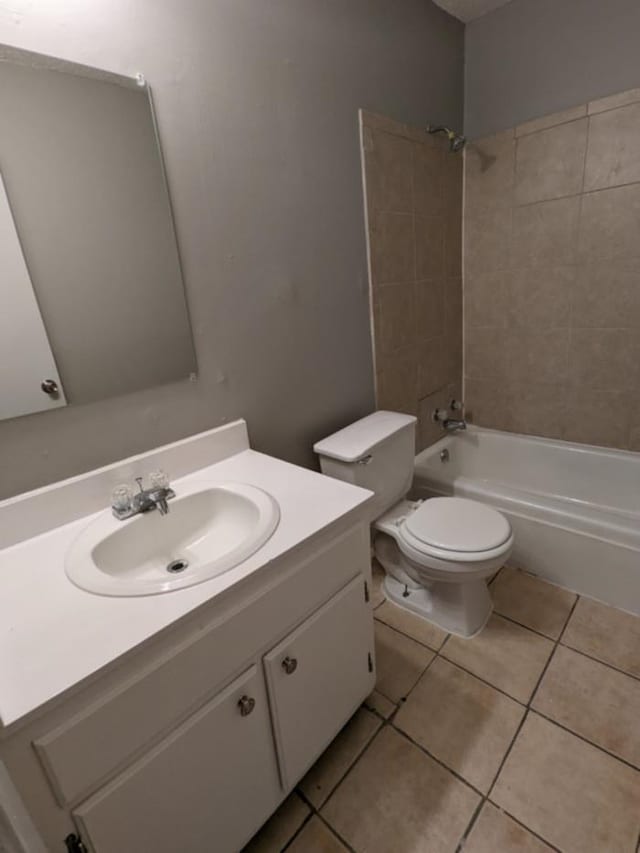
[
  {"x": 448, "y": 423},
  {"x": 125, "y": 504},
  {"x": 453, "y": 424}
]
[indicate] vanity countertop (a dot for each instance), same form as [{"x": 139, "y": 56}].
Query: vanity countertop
[{"x": 53, "y": 634}]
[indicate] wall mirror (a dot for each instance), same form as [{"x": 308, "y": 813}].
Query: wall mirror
[{"x": 92, "y": 301}]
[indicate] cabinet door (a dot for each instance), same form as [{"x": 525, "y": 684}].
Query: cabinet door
[
  {"x": 318, "y": 675},
  {"x": 208, "y": 786}
]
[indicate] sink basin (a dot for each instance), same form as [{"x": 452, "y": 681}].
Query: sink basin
[{"x": 209, "y": 529}]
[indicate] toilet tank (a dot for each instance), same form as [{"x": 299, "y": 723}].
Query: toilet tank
[{"x": 377, "y": 453}]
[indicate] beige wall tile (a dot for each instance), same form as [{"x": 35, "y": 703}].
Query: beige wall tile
[
  {"x": 432, "y": 367},
  {"x": 411, "y": 625},
  {"x": 604, "y": 359},
  {"x": 620, "y": 99},
  {"x": 395, "y": 317},
  {"x": 428, "y": 179},
  {"x": 487, "y": 240},
  {"x": 485, "y": 353},
  {"x": 613, "y": 156},
  {"x": 334, "y": 762},
  {"x": 600, "y": 418},
  {"x": 397, "y": 381},
  {"x": 506, "y": 655},
  {"x": 551, "y": 120},
  {"x": 396, "y": 798},
  {"x": 429, "y": 247},
  {"x": 316, "y": 837},
  {"x": 532, "y": 602},
  {"x": 461, "y": 721},
  {"x": 486, "y": 298},
  {"x": 453, "y": 243},
  {"x": 594, "y": 701},
  {"x": 540, "y": 297},
  {"x": 607, "y": 295},
  {"x": 495, "y": 832},
  {"x": 428, "y": 309},
  {"x": 392, "y": 248},
  {"x": 605, "y": 633},
  {"x": 610, "y": 224},
  {"x": 634, "y": 417},
  {"x": 281, "y": 827},
  {"x": 399, "y": 662},
  {"x": 487, "y": 404},
  {"x": 488, "y": 172},
  {"x": 544, "y": 234},
  {"x": 388, "y": 163},
  {"x": 572, "y": 794},
  {"x": 537, "y": 409},
  {"x": 536, "y": 355},
  {"x": 550, "y": 164}
]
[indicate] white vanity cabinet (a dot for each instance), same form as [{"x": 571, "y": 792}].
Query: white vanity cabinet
[
  {"x": 199, "y": 788},
  {"x": 317, "y": 677},
  {"x": 194, "y": 746}
]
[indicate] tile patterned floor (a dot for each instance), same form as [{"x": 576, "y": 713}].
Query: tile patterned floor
[{"x": 523, "y": 740}]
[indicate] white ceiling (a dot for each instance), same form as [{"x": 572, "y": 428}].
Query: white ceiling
[{"x": 467, "y": 10}]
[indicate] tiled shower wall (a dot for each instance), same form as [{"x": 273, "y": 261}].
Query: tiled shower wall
[
  {"x": 552, "y": 275},
  {"x": 414, "y": 218}
]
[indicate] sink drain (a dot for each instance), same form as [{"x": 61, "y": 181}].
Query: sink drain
[{"x": 177, "y": 566}]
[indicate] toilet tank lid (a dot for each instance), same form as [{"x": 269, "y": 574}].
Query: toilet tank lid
[{"x": 358, "y": 439}]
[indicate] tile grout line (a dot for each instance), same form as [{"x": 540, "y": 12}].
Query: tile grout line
[{"x": 487, "y": 796}]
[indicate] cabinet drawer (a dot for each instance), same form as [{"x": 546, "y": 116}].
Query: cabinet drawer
[
  {"x": 92, "y": 745},
  {"x": 317, "y": 676},
  {"x": 208, "y": 786}
]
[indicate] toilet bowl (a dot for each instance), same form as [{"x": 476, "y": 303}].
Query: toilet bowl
[{"x": 437, "y": 554}]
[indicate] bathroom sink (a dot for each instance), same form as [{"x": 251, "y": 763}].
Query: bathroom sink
[{"x": 209, "y": 529}]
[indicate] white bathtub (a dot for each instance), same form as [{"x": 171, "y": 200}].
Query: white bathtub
[{"x": 575, "y": 509}]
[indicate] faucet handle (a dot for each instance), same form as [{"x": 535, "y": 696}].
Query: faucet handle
[
  {"x": 159, "y": 479},
  {"x": 122, "y": 497},
  {"x": 456, "y": 405},
  {"x": 140, "y": 483},
  {"x": 440, "y": 415}
]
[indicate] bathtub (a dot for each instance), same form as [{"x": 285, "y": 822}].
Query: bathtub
[{"x": 575, "y": 509}]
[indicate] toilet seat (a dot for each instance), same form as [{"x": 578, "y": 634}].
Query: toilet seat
[{"x": 454, "y": 531}]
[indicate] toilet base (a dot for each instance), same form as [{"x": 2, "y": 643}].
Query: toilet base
[{"x": 458, "y": 608}]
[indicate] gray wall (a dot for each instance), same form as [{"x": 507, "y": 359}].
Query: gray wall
[
  {"x": 534, "y": 57},
  {"x": 257, "y": 106}
]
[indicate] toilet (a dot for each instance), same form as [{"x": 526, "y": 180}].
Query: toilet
[{"x": 437, "y": 553}]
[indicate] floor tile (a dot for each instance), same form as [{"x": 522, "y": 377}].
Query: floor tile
[
  {"x": 377, "y": 579},
  {"x": 506, "y": 655},
  {"x": 495, "y": 832},
  {"x": 339, "y": 756},
  {"x": 377, "y": 702},
  {"x": 461, "y": 721},
  {"x": 572, "y": 794},
  {"x": 316, "y": 837},
  {"x": 411, "y": 625},
  {"x": 532, "y": 602},
  {"x": 281, "y": 827},
  {"x": 399, "y": 661},
  {"x": 603, "y": 632},
  {"x": 396, "y": 799},
  {"x": 593, "y": 700}
]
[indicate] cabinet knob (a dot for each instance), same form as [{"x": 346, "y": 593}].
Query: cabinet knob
[
  {"x": 246, "y": 705},
  {"x": 289, "y": 665},
  {"x": 49, "y": 386}
]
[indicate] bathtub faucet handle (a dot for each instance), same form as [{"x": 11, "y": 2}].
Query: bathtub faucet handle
[{"x": 456, "y": 405}]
